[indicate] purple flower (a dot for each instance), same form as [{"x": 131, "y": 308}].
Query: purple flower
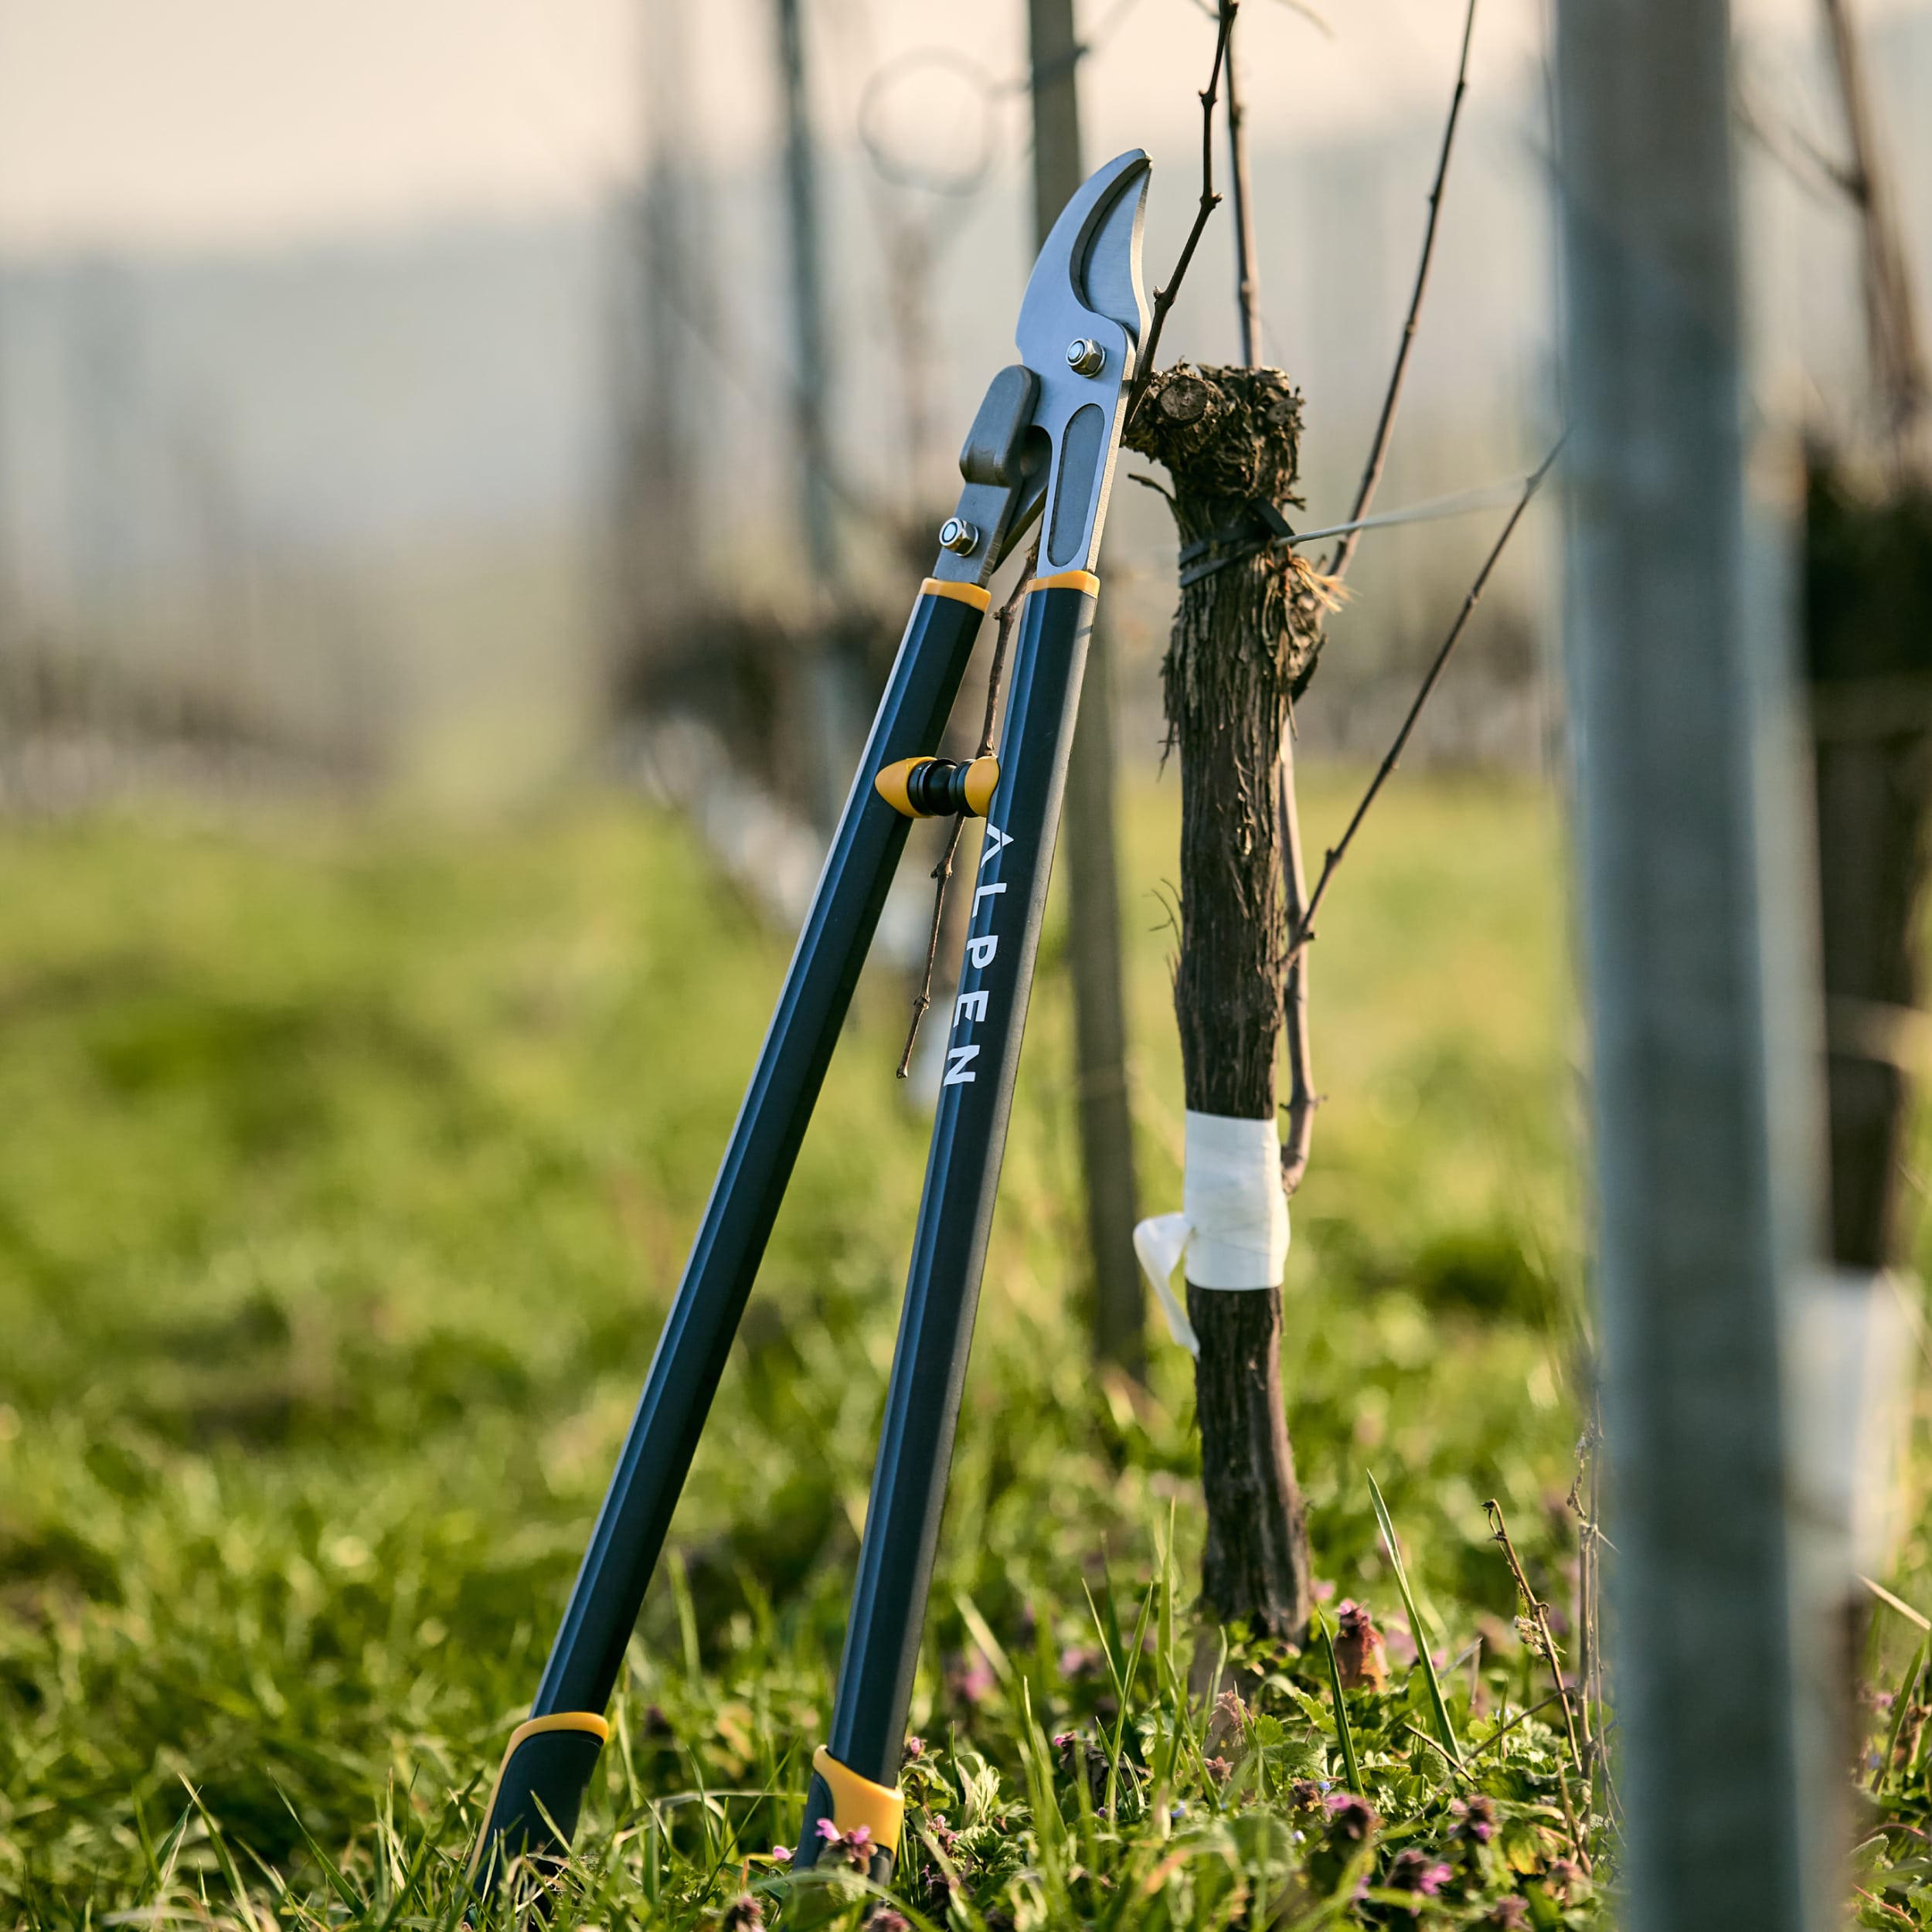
[
  {"x": 1351, "y": 1818},
  {"x": 1414, "y": 1871},
  {"x": 1219, "y": 1770},
  {"x": 743, "y": 1914},
  {"x": 1563, "y": 1878},
  {"x": 1506, "y": 1915},
  {"x": 855, "y": 1846},
  {"x": 781, "y": 1854},
  {"x": 915, "y": 1748},
  {"x": 1475, "y": 1818}
]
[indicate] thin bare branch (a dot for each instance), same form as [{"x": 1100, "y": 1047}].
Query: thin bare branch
[
  {"x": 1313, "y": 19},
  {"x": 1338, "y": 564},
  {"x": 1899, "y": 358},
  {"x": 1534, "y": 1624},
  {"x": 1003, "y": 617},
  {"x": 1247, "y": 277},
  {"x": 943, "y": 872},
  {"x": 1793, "y": 150},
  {"x": 1461, "y": 1770},
  {"x": 1299, "y": 1124},
  {"x": 1298, "y": 1134},
  {"x": 1304, "y": 932},
  {"x": 1164, "y": 297},
  {"x": 1298, "y": 1137}
]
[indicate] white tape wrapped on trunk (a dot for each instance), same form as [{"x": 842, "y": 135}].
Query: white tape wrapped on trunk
[{"x": 1233, "y": 1228}]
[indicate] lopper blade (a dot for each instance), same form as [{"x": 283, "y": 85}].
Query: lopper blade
[
  {"x": 1086, "y": 295},
  {"x": 1049, "y": 431},
  {"x": 1092, "y": 258}
]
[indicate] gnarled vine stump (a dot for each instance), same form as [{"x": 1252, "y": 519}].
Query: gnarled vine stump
[{"x": 1244, "y": 640}]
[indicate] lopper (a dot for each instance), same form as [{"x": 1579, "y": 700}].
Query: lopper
[{"x": 1043, "y": 445}]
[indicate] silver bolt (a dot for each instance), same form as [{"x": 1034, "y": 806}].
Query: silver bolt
[
  {"x": 1085, "y": 356},
  {"x": 959, "y": 536}
]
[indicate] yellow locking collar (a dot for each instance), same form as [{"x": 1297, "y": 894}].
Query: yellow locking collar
[
  {"x": 936, "y": 788},
  {"x": 857, "y": 1800}
]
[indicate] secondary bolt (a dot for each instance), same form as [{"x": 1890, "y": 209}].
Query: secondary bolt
[
  {"x": 1085, "y": 356},
  {"x": 959, "y": 536}
]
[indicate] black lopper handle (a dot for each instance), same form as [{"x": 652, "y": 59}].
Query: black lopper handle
[
  {"x": 855, "y": 1779},
  {"x": 533, "y": 1807}
]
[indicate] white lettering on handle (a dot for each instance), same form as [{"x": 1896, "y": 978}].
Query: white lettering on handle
[{"x": 981, "y": 954}]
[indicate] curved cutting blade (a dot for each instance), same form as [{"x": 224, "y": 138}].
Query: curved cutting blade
[
  {"x": 1092, "y": 258},
  {"x": 1085, "y": 293}
]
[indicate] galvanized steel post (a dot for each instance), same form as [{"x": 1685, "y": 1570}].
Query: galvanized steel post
[{"x": 1679, "y": 682}]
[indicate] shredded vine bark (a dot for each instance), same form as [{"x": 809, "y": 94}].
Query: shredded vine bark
[{"x": 1243, "y": 641}]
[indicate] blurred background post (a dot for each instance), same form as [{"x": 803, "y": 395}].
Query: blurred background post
[
  {"x": 1687, "y": 784},
  {"x": 1092, "y": 875}
]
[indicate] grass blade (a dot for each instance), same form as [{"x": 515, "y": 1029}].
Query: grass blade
[
  {"x": 1899, "y": 1711},
  {"x": 991, "y": 1648},
  {"x": 230, "y": 1871},
  {"x": 1445, "y": 1730},
  {"x": 338, "y": 1882},
  {"x": 1131, "y": 1671},
  {"x": 1351, "y": 1770}
]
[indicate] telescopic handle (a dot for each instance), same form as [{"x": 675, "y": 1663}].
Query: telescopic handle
[{"x": 533, "y": 1807}]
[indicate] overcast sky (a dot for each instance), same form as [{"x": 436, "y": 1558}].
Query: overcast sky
[{"x": 158, "y": 123}]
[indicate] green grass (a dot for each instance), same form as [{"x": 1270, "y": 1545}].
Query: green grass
[{"x": 345, "y": 1172}]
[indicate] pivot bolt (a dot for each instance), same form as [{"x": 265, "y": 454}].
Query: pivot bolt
[
  {"x": 1085, "y": 356},
  {"x": 959, "y": 536}
]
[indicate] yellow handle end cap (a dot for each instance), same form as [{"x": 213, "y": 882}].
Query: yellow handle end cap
[{"x": 857, "y": 1800}]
